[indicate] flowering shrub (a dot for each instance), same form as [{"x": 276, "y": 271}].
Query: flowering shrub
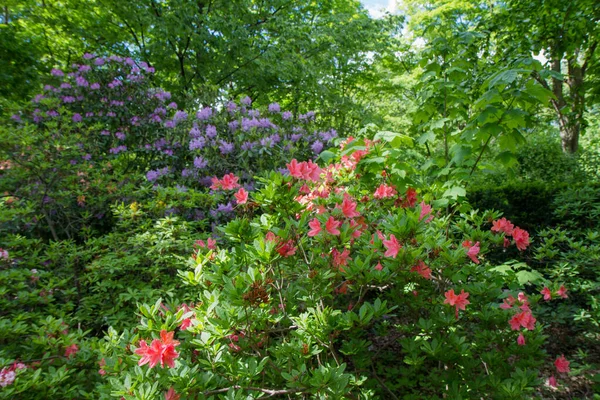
[
  {"x": 341, "y": 287},
  {"x": 96, "y": 129}
]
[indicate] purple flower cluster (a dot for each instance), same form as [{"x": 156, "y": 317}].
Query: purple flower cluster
[{"x": 153, "y": 175}]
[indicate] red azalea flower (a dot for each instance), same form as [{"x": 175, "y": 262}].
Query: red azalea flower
[{"x": 561, "y": 364}]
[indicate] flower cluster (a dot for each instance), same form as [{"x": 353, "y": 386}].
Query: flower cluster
[
  {"x": 160, "y": 351},
  {"x": 8, "y": 374},
  {"x": 520, "y": 236}
]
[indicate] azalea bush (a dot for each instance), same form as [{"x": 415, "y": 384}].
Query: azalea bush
[{"x": 339, "y": 286}]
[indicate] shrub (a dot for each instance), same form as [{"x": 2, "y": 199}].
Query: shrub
[{"x": 342, "y": 287}]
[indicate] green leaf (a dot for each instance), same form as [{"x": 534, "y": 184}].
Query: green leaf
[{"x": 394, "y": 138}]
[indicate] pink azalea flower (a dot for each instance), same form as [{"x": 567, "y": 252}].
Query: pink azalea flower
[
  {"x": 384, "y": 191},
  {"x": 523, "y": 319},
  {"x": 332, "y": 226},
  {"x": 473, "y": 250},
  {"x": 459, "y": 301},
  {"x": 379, "y": 267},
  {"x": 422, "y": 270},
  {"x": 562, "y": 292},
  {"x": 561, "y": 364},
  {"x": 521, "y": 339},
  {"x": 503, "y": 225},
  {"x": 521, "y": 238},
  {"x": 172, "y": 395},
  {"x": 425, "y": 210},
  {"x": 349, "y": 208},
  {"x": 552, "y": 382},
  {"x": 241, "y": 196},
  {"x": 393, "y": 246},
  {"x": 71, "y": 350},
  {"x": 315, "y": 226},
  {"x": 547, "y": 293}
]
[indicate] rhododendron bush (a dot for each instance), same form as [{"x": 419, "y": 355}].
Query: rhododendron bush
[
  {"x": 100, "y": 130},
  {"x": 330, "y": 285}
]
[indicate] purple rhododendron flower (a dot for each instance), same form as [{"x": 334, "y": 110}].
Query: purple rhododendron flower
[
  {"x": 226, "y": 147},
  {"x": 246, "y": 101},
  {"x": 152, "y": 175},
  {"x": 85, "y": 68},
  {"x": 248, "y": 145},
  {"x": 57, "y": 72},
  {"x": 120, "y": 135},
  {"x": 87, "y": 157},
  {"x": 99, "y": 61},
  {"x": 16, "y": 117},
  {"x": 88, "y": 56},
  {"x": 197, "y": 143},
  {"x": 200, "y": 162},
  {"x": 105, "y": 133},
  {"x": 231, "y": 106},
  {"x": 170, "y": 124},
  {"x": 77, "y": 117},
  {"x": 225, "y": 208},
  {"x": 52, "y": 113},
  {"x": 233, "y": 125},
  {"x": 195, "y": 132},
  {"x": 254, "y": 113},
  {"x": 287, "y": 115},
  {"x": 317, "y": 147},
  {"x": 95, "y": 86},
  {"x": 172, "y": 105},
  {"x": 211, "y": 131},
  {"x": 274, "y": 107},
  {"x": 65, "y": 85},
  {"x": 118, "y": 149},
  {"x": 180, "y": 116},
  {"x": 204, "y": 114}
]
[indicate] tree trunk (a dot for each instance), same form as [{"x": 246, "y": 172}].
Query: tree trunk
[{"x": 569, "y": 113}]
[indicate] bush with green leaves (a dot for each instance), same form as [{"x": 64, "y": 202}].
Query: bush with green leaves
[{"x": 342, "y": 286}]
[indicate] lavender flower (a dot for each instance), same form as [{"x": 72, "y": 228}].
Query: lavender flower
[
  {"x": 211, "y": 131},
  {"x": 317, "y": 147},
  {"x": 197, "y": 143},
  {"x": 204, "y": 114},
  {"x": 274, "y": 108},
  {"x": 200, "y": 162},
  {"x": 180, "y": 116},
  {"x": 226, "y": 147},
  {"x": 195, "y": 132}
]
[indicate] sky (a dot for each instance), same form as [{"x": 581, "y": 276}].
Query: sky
[{"x": 378, "y": 7}]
